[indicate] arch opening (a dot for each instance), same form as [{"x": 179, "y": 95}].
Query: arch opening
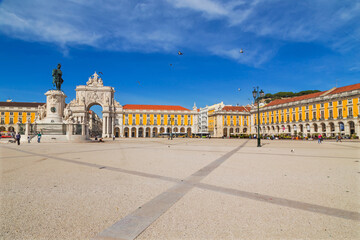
[{"x": 94, "y": 120}]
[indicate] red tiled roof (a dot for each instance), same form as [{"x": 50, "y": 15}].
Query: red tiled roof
[
  {"x": 346, "y": 88},
  {"x": 314, "y": 95},
  {"x": 236, "y": 108},
  {"x": 21, "y": 104},
  {"x": 293, "y": 99},
  {"x": 154, "y": 107}
]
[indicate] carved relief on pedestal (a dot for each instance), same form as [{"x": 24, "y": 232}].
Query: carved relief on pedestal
[
  {"x": 53, "y": 100},
  {"x": 41, "y": 112}
]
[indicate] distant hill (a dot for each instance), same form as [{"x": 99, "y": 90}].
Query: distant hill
[{"x": 270, "y": 97}]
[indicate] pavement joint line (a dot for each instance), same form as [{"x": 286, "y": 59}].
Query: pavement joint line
[
  {"x": 274, "y": 154},
  {"x": 136, "y": 222},
  {"x": 109, "y": 168},
  {"x": 296, "y": 155},
  {"x": 235, "y": 192},
  {"x": 343, "y": 145},
  {"x": 24, "y": 156},
  {"x": 334, "y": 212},
  {"x": 63, "y": 153}
]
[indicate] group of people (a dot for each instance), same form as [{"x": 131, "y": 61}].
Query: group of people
[
  {"x": 18, "y": 137},
  {"x": 320, "y": 138}
]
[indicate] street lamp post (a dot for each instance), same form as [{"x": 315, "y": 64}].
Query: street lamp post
[
  {"x": 257, "y": 95},
  {"x": 171, "y": 127}
]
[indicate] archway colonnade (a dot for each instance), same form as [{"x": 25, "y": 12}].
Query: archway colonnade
[
  {"x": 10, "y": 128},
  {"x": 325, "y": 128},
  {"x": 149, "y": 131},
  {"x": 233, "y": 131}
]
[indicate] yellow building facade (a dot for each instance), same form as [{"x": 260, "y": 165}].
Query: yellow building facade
[
  {"x": 227, "y": 121},
  {"x": 156, "y": 120},
  {"x": 14, "y": 113},
  {"x": 330, "y": 113}
]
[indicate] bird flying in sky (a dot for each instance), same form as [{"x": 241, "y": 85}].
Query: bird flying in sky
[
  {"x": 241, "y": 51},
  {"x": 180, "y": 53}
]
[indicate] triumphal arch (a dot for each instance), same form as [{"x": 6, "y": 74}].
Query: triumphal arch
[{"x": 95, "y": 93}]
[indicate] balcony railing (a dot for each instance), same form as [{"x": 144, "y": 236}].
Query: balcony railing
[
  {"x": 340, "y": 117},
  {"x": 350, "y": 116}
]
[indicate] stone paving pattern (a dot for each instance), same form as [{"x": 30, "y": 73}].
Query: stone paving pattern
[{"x": 184, "y": 189}]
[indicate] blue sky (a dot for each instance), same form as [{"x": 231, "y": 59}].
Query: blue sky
[{"x": 288, "y": 46}]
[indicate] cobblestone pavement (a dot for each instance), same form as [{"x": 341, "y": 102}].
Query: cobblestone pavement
[{"x": 180, "y": 189}]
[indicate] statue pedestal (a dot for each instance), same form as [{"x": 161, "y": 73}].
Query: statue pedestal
[
  {"x": 53, "y": 123},
  {"x": 55, "y": 104}
]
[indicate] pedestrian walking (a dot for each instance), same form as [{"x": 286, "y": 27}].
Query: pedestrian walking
[
  {"x": 39, "y": 137},
  {"x": 29, "y": 139},
  {"x": 17, "y": 137},
  {"x": 319, "y": 138},
  {"x": 113, "y": 137}
]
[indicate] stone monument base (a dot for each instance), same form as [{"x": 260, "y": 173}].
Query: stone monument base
[{"x": 55, "y": 104}]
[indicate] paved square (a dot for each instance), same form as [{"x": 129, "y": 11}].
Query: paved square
[{"x": 180, "y": 189}]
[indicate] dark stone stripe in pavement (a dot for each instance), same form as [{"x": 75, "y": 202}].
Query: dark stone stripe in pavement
[
  {"x": 135, "y": 223},
  {"x": 334, "y": 212},
  {"x": 344, "y": 144},
  {"x": 23, "y": 156},
  {"x": 102, "y": 167},
  {"x": 273, "y": 154},
  {"x": 297, "y": 155}
]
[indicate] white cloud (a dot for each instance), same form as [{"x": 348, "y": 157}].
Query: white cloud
[
  {"x": 205, "y": 6},
  {"x": 208, "y": 26},
  {"x": 255, "y": 56}
]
